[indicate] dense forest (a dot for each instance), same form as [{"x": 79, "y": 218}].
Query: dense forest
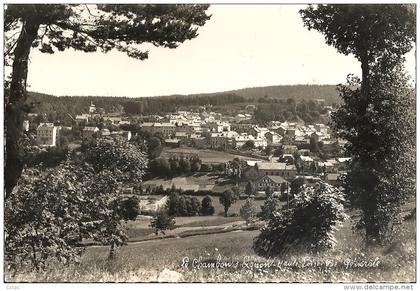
[
  {"x": 297, "y": 92},
  {"x": 272, "y": 103}
]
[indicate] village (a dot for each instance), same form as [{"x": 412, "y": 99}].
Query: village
[
  {"x": 272, "y": 156},
  {"x": 157, "y": 142}
]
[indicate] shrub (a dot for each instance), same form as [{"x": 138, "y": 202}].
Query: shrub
[
  {"x": 207, "y": 207},
  {"x": 248, "y": 211},
  {"x": 51, "y": 211},
  {"x": 129, "y": 208},
  {"x": 182, "y": 205},
  {"x": 308, "y": 225},
  {"x": 270, "y": 206},
  {"x": 206, "y": 168},
  {"x": 162, "y": 221},
  {"x": 195, "y": 166},
  {"x": 249, "y": 188},
  {"x": 227, "y": 199}
]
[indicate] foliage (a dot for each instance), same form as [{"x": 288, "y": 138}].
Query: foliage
[
  {"x": 282, "y": 94},
  {"x": 377, "y": 117},
  {"x": 53, "y": 209},
  {"x": 270, "y": 206},
  {"x": 195, "y": 166},
  {"x": 162, "y": 221},
  {"x": 207, "y": 207},
  {"x": 248, "y": 145},
  {"x": 278, "y": 152},
  {"x": 87, "y": 28},
  {"x": 382, "y": 173},
  {"x": 249, "y": 189},
  {"x": 185, "y": 166},
  {"x": 248, "y": 211},
  {"x": 227, "y": 199},
  {"x": 125, "y": 160},
  {"x": 283, "y": 187},
  {"x": 182, "y": 205},
  {"x": 163, "y": 167},
  {"x": 296, "y": 185},
  {"x": 129, "y": 208},
  {"x": 206, "y": 168},
  {"x": 268, "y": 191},
  {"x": 251, "y": 174},
  {"x": 50, "y": 212},
  {"x": 366, "y": 31},
  {"x": 313, "y": 145},
  {"x": 160, "y": 167},
  {"x": 287, "y": 110},
  {"x": 308, "y": 225},
  {"x": 154, "y": 148}
]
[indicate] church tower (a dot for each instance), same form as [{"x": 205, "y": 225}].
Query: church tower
[{"x": 92, "y": 108}]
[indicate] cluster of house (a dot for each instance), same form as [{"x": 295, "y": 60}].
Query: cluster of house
[
  {"x": 276, "y": 175},
  {"x": 211, "y": 130},
  {"x": 47, "y": 134},
  {"x": 201, "y": 130}
]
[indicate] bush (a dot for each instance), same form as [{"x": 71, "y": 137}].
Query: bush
[
  {"x": 248, "y": 211},
  {"x": 206, "y": 168},
  {"x": 270, "y": 206},
  {"x": 195, "y": 166},
  {"x": 51, "y": 211},
  {"x": 227, "y": 199},
  {"x": 207, "y": 207},
  {"x": 308, "y": 225},
  {"x": 129, "y": 208},
  {"x": 162, "y": 221},
  {"x": 182, "y": 205}
]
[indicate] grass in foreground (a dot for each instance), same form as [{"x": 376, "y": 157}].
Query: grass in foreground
[{"x": 142, "y": 262}]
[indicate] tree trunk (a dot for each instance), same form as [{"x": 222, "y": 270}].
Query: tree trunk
[
  {"x": 365, "y": 76},
  {"x": 372, "y": 235},
  {"x": 112, "y": 251},
  {"x": 15, "y": 104}
]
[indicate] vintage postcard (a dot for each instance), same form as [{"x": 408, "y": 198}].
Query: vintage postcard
[{"x": 211, "y": 143}]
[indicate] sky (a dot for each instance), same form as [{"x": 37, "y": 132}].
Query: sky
[{"x": 240, "y": 46}]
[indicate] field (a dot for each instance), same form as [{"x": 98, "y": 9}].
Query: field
[
  {"x": 212, "y": 156},
  {"x": 139, "y": 230},
  {"x": 144, "y": 261},
  {"x": 219, "y": 249},
  {"x": 198, "y": 181}
]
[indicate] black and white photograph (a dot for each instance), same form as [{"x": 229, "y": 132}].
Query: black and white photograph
[{"x": 209, "y": 143}]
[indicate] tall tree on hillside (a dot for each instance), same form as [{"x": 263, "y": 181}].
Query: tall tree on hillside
[
  {"x": 154, "y": 148},
  {"x": 87, "y": 28},
  {"x": 313, "y": 145},
  {"x": 377, "y": 116},
  {"x": 227, "y": 199},
  {"x": 249, "y": 189}
]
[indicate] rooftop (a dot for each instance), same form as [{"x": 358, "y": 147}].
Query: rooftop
[{"x": 271, "y": 166}]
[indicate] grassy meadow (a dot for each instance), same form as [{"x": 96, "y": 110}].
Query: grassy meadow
[
  {"x": 143, "y": 261},
  {"x": 208, "y": 156}
]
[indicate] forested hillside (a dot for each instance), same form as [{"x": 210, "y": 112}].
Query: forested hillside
[
  {"x": 308, "y": 92},
  {"x": 64, "y": 108}
]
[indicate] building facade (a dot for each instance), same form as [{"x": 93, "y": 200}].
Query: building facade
[{"x": 46, "y": 134}]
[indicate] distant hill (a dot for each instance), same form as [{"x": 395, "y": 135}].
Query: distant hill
[
  {"x": 61, "y": 108},
  {"x": 309, "y": 92}
]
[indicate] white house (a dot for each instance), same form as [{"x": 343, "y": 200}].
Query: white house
[
  {"x": 46, "y": 134},
  {"x": 277, "y": 169},
  {"x": 274, "y": 182}
]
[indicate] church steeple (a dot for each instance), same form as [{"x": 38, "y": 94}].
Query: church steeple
[{"x": 92, "y": 108}]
